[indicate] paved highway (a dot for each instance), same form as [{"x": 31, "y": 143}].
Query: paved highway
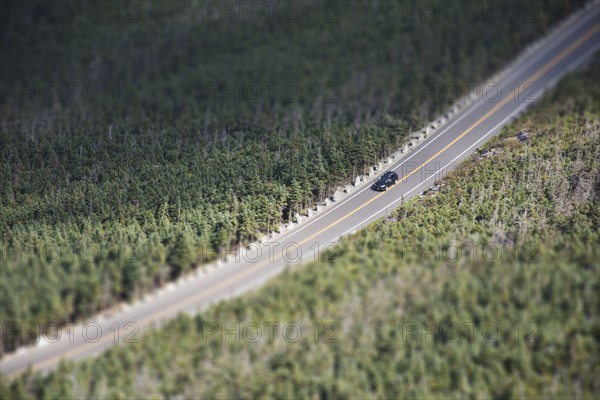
[{"x": 466, "y": 131}]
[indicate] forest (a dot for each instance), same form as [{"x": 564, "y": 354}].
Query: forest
[
  {"x": 105, "y": 198},
  {"x": 536, "y": 200}
]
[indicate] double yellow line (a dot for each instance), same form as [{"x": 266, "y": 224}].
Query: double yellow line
[{"x": 256, "y": 267}]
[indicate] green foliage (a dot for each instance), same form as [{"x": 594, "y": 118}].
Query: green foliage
[
  {"x": 350, "y": 60},
  {"x": 102, "y": 201},
  {"x": 536, "y": 201},
  {"x": 88, "y": 222}
]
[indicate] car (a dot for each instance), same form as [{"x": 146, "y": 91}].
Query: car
[{"x": 387, "y": 179}]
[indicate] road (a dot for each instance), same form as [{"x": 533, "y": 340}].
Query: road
[{"x": 469, "y": 129}]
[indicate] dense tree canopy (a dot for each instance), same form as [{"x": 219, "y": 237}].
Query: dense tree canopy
[
  {"x": 534, "y": 203},
  {"x": 104, "y": 200}
]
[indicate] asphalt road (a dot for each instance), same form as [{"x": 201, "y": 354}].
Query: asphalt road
[{"x": 457, "y": 139}]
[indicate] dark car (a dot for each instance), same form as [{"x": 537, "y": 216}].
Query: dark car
[{"x": 388, "y": 179}]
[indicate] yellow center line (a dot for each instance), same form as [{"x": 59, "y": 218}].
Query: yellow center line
[
  {"x": 504, "y": 101},
  {"x": 236, "y": 278}
]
